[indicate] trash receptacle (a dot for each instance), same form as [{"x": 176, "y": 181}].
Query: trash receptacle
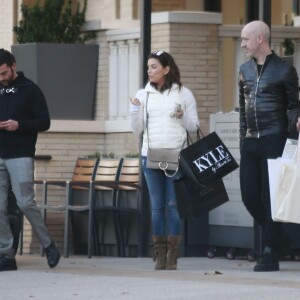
[{"x": 231, "y": 227}]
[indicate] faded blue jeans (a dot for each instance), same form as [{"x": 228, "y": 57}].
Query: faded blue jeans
[
  {"x": 18, "y": 173},
  {"x": 162, "y": 197}
]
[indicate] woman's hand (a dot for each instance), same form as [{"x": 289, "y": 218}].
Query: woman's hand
[
  {"x": 178, "y": 114},
  {"x": 135, "y": 105},
  {"x": 135, "y": 101},
  {"x": 178, "y": 111}
]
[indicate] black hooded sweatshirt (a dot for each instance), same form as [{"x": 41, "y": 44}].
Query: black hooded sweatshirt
[{"x": 22, "y": 101}]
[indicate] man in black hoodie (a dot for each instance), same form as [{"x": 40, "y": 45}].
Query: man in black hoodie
[{"x": 23, "y": 113}]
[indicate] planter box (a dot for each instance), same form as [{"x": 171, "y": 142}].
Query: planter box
[{"x": 66, "y": 73}]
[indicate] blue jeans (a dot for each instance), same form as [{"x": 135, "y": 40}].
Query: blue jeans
[
  {"x": 18, "y": 173},
  {"x": 162, "y": 197}
]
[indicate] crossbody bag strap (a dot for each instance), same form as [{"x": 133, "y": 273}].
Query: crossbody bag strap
[{"x": 147, "y": 97}]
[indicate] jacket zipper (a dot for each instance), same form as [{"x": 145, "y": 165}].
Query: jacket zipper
[{"x": 257, "y": 82}]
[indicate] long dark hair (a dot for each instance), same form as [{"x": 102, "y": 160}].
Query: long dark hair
[{"x": 166, "y": 60}]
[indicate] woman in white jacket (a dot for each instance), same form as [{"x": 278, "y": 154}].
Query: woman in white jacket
[{"x": 163, "y": 111}]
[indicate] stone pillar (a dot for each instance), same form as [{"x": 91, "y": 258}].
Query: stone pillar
[
  {"x": 297, "y": 56},
  {"x": 240, "y": 59},
  {"x": 192, "y": 39},
  {"x": 7, "y": 13},
  {"x": 123, "y": 72}
]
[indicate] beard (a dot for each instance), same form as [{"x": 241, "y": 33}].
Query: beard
[{"x": 9, "y": 80}]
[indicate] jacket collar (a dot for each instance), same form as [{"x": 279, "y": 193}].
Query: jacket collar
[
  {"x": 149, "y": 88},
  {"x": 268, "y": 57}
]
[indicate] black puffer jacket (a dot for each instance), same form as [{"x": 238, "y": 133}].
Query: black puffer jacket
[{"x": 265, "y": 98}]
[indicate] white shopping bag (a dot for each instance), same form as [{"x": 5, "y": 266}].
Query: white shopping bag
[
  {"x": 275, "y": 167},
  {"x": 287, "y": 204},
  {"x": 284, "y": 181},
  {"x": 290, "y": 148}
]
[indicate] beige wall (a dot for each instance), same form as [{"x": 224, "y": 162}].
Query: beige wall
[
  {"x": 237, "y": 15},
  {"x": 230, "y": 15},
  {"x": 228, "y": 75},
  {"x": 64, "y": 149},
  {"x": 195, "y": 50},
  {"x": 194, "y": 5},
  {"x": 168, "y": 5},
  {"x": 101, "y": 9},
  {"x": 7, "y": 21},
  {"x": 279, "y": 9}
]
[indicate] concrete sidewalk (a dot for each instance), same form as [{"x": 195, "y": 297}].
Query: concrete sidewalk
[{"x": 112, "y": 278}]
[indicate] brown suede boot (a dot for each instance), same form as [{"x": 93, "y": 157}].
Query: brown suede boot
[
  {"x": 172, "y": 254},
  {"x": 159, "y": 252}
]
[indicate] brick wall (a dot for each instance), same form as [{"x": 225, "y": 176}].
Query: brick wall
[
  {"x": 101, "y": 9},
  {"x": 64, "y": 149},
  {"x": 128, "y": 9}
]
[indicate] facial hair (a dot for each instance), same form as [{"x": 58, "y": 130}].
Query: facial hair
[{"x": 9, "y": 80}]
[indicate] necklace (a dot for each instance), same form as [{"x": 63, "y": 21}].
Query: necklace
[{"x": 259, "y": 69}]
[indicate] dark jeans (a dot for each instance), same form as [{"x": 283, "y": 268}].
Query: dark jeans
[{"x": 254, "y": 181}]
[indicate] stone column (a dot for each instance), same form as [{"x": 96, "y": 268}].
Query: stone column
[{"x": 7, "y": 13}]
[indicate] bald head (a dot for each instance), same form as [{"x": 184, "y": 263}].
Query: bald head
[
  {"x": 256, "y": 40},
  {"x": 258, "y": 28}
]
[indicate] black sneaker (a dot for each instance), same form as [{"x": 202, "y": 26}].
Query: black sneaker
[
  {"x": 52, "y": 254},
  {"x": 7, "y": 264},
  {"x": 268, "y": 262}
]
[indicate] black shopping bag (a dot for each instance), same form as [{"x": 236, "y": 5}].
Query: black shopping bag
[
  {"x": 194, "y": 199},
  {"x": 207, "y": 160}
]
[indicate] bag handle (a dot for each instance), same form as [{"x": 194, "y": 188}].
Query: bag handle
[
  {"x": 147, "y": 118},
  {"x": 164, "y": 167},
  {"x": 189, "y": 139}
]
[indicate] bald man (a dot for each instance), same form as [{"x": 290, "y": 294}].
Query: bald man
[{"x": 268, "y": 88}]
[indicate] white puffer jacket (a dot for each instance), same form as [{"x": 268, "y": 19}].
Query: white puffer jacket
[{"x": 164, "y": 131}]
